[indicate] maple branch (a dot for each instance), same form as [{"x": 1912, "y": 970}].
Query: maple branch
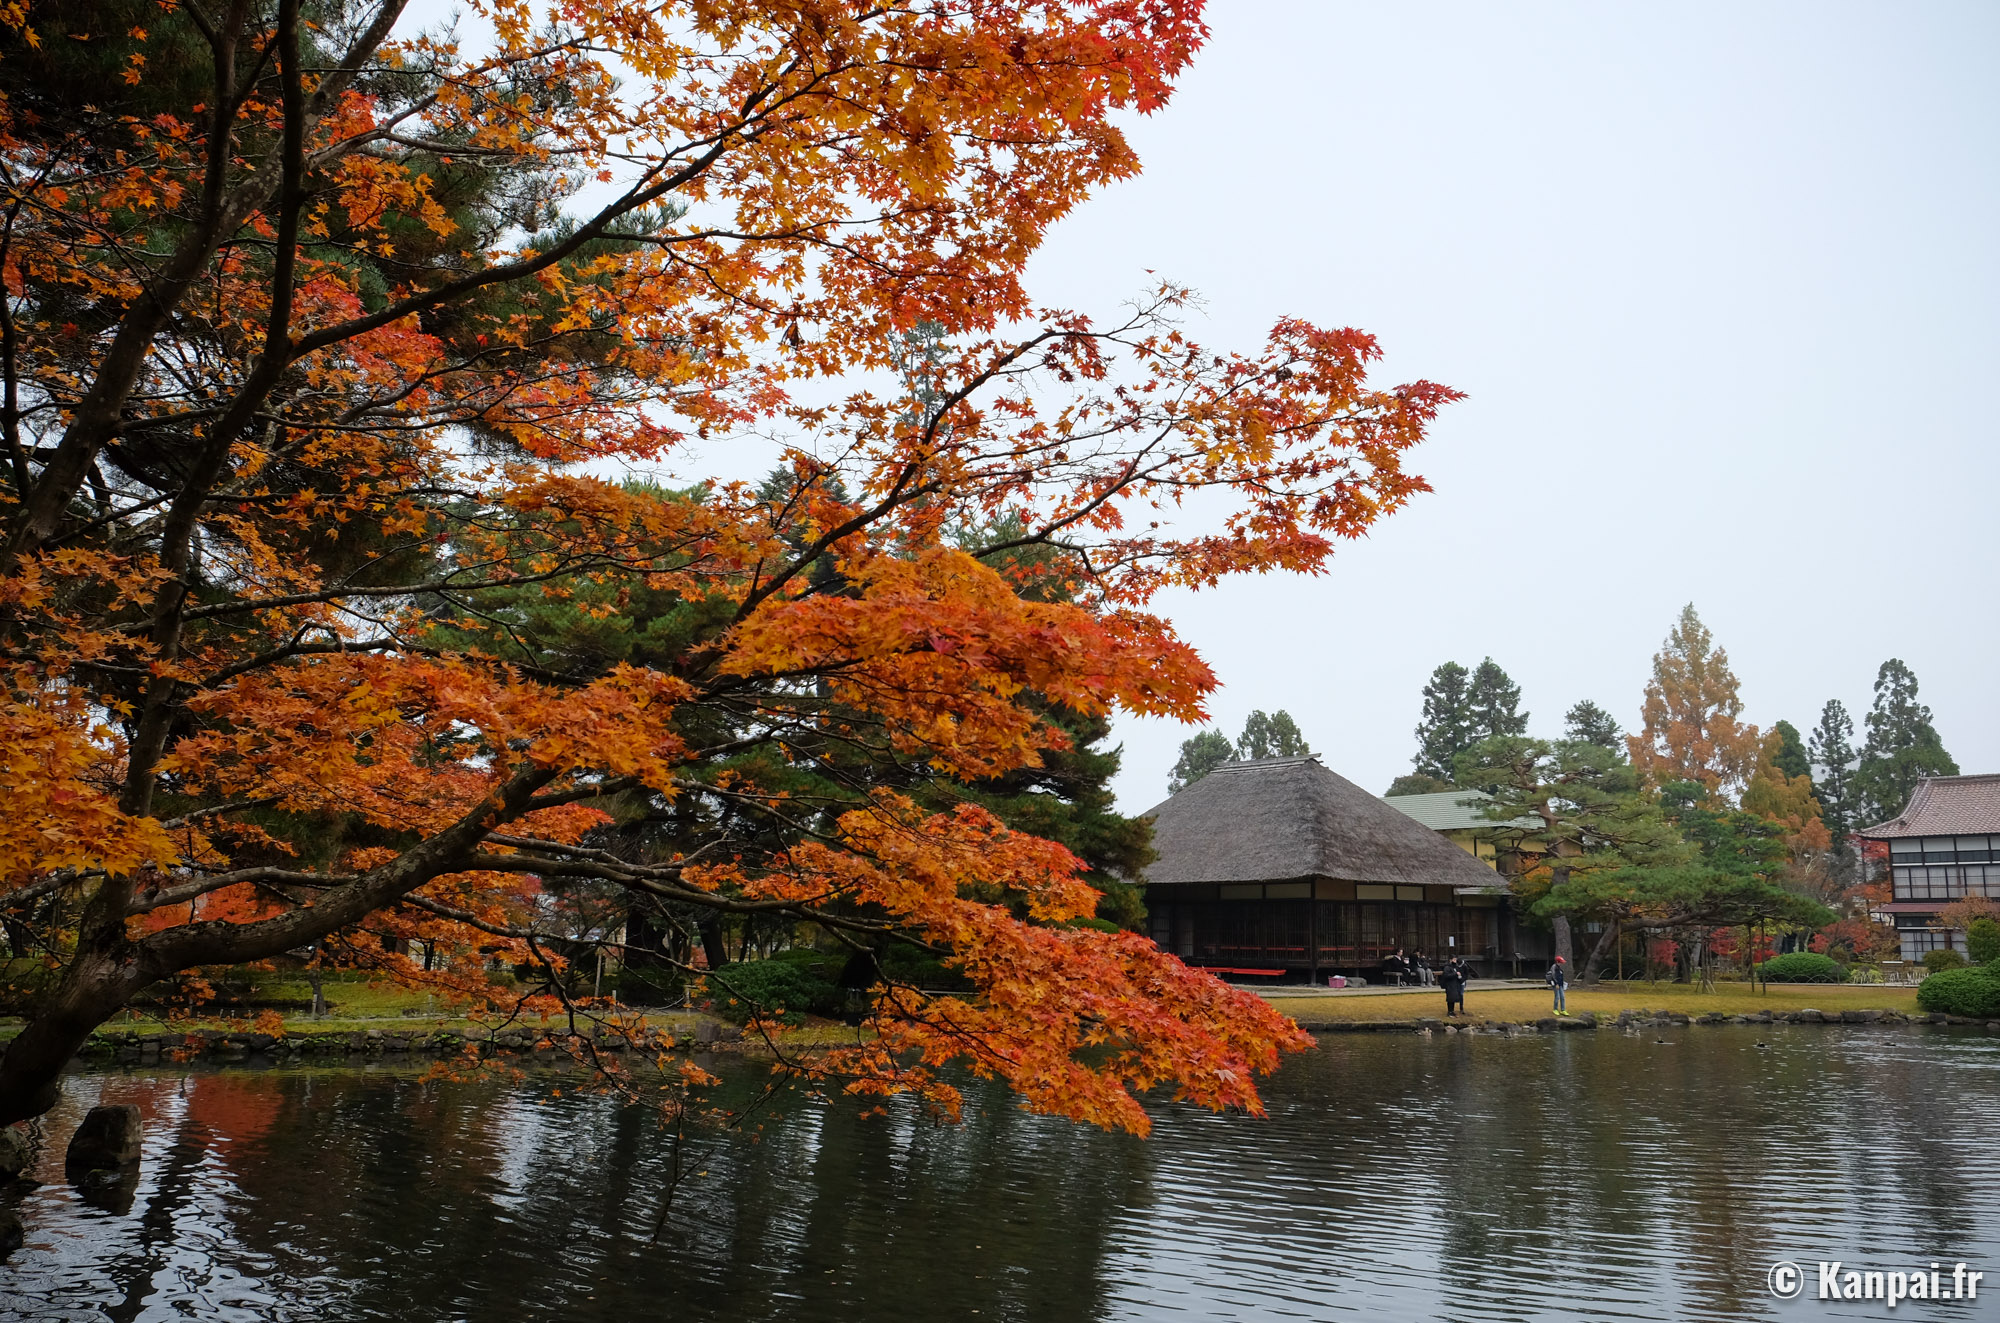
[
  {"x": 454, "y": 849},
  {"x": 218, "y": 810},
  {"x": 97, "y": 415}
]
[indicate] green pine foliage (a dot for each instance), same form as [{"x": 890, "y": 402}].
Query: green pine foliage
[
  {"x": 1199, "y": 756},
  {"x": 1587, "y": 723},
  {"x": 1273, "y": 735},
  {"x": 1902, "y": 748},
  {"x": 1416, "y": 783},
  {"x": 1493, "y": 704},
  {"x": 1443, "y": 734},
  {"x": 1830, "y": 750},
  {"x": 1792, "y": 759}
]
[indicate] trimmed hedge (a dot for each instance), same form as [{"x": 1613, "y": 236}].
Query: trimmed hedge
[
  {"x": 1982, "y": 941},
  {"x": 793, "y": 986},
  {"x": 1973, "y": 992},
  {"x": 1802, "y": 967},
  {"x": 1937, "y": 962}
]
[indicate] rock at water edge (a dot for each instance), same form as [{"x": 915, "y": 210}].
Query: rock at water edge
[{"x": 109, "y": 1137}]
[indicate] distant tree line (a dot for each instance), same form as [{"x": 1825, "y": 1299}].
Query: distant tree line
[
  {"x": 1265, "y": 735},
  {"x": 1698, "y": 823}
]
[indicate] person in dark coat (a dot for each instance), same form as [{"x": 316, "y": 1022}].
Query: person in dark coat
[
  {"x": 1558, "y": 977},
  {"x": 1395, "y": 969},
  {"x": 1453, "y": 978}
]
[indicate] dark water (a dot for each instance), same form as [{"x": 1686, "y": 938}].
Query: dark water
[{"x": 1591, "y": 1176}]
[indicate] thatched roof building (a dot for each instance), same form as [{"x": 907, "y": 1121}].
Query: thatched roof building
[
  {"x": 1282, "y": 867},
  {"x": 1278, "y": 819}
]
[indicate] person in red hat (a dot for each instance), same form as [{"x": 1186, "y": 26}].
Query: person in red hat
[{"x": 1558, "y": 977}]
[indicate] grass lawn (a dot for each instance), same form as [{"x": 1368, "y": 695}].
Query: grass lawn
[{"x": 1524, "y": 1004}]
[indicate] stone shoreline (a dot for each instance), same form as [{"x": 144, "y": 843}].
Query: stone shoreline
[
  {"x": 135, "y": 1048},
  {"x": 1630, "y": 1019}
]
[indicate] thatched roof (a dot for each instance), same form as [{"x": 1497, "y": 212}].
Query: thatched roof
[{"x": 1277, "y": 819}]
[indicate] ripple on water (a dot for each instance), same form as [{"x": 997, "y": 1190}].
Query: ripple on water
[{"x": 1599, "y": 1176}]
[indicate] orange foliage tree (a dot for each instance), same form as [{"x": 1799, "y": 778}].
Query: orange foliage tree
[
  {"x": 1691, "y": 729},
  {"x": 321, "y": 335},
  {"x": 1787, "y": 801}
]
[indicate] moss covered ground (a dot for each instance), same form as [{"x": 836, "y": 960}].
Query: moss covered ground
[{"x": 1520, "y": 1005}]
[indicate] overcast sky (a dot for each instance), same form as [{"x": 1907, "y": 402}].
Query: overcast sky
[{"x": 1720, "y": 281}]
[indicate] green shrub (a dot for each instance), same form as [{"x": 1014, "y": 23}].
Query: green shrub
[
  {"x": 1937, "y": 962},
  {"x": 1864, "y": 974},
  {"x": 908, "y": 965},
  {"x": 770, "y": 986},
  {"x": 1802, "y": 967},
  {"x": 1972, "y": 992},
  {"x": 1982, "y": 941}
]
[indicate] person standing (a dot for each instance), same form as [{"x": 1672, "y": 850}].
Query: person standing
[
  {"x": 1558, "y": 977},
  {"x": 1453, "y": 978}
]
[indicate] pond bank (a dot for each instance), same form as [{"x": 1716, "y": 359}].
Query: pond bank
[
  {"x": 149, "y": 1048},
  {"x": 1633, "y": 1020}
]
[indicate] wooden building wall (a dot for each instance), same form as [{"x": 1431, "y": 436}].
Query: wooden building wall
[{"x": 1334, "y": 927}]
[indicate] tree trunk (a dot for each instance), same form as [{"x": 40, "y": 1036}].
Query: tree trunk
[
  {"x": 1595, "y": 964},
  {"x": 713, "y": 944},
  {"x": 100, "y": 979},
  {"x": 1565, "y": 951}
]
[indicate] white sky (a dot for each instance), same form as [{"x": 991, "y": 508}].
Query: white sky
[
  {"x": 1720, "y": 280},
  {"x": 1722, "y": 283}
]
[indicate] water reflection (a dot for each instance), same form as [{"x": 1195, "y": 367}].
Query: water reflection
[{"x": 1592, "y": 1175}]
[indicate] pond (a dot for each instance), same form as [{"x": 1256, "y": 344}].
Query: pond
[{"x": 1561, "y": 1176}]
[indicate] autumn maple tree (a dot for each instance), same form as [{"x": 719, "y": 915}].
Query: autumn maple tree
[{"x": 331, "y": 347}]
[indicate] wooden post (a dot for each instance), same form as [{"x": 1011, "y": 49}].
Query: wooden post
[{"x": 1312, "y": 934}]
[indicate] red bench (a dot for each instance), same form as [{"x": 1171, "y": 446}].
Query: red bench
[{"x": 1231, "y": 969}]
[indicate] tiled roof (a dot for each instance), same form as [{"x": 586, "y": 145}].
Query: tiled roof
[
  {"x": 1453, "y": 810},
  {"x": 1946, "y": 806}
]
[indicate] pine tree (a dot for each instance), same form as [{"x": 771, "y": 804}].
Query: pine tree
[
  {"x": 1442, "y": 734},
  {"x": 1272, "y": 736},
  {"x": 1587, "y": 723},
  {"x": 1493, "y": 704},
  {"x": 1417, "y": 783},
  {"x": 1200, "y": 756},
  {"x": 1691, "y": 731},
  {"x": 1903, "y": 746},
  {"x": 1831, "y": 750},
  {"x": 1788, "y": 755}
]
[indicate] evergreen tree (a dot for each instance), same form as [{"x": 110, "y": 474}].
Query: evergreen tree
[
  {"x": 1272, "y": 736},
  {"x": 1831, "y": 750},
  {"x": 1493, "y": 704},
  {"x": 1902, "y": 748},
  {"x": 1416, "y": 783},
  {"x": 1587, "y": 723},
  {"x": 1068, "y": 800},
  {"x": 1442, "y": 734},
  {"x": 1789, "y": 756},
  {"x": 1564, "y": 814},
  {"x": 1200, "y": 756}
]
